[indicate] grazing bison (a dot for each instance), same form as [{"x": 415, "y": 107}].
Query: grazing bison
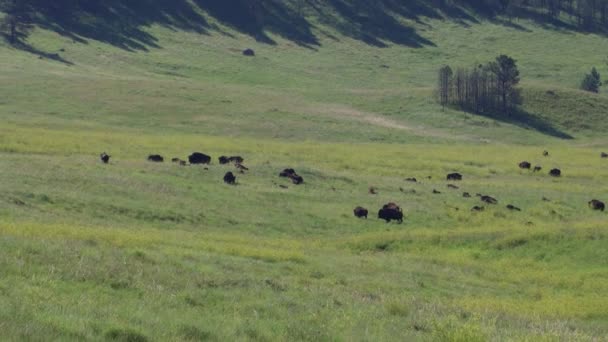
[
  {"x": 413, "y": 180},
  {"x": 555, "y": 172},
  {"x": 512, "y": 207},
  {"x": 223, "y": 160},
  {"x": 454, "y": 176},
  {"x": 604, "y": 155},
  {"x": 248, "y": 52},
  {"x": 435, "y": 191},
  {"x": 199, "y": 158},
  {"x": 105, "y": 158},
  {"x": 546, "y": 153},
  {"x": 389, "y": 212},
  {"x": 236, "y": 159},
  {"x": 488, "y": 199},
  {"x": 525, "y": 165},
  {"x": 360, "y": 212},
  {"x": 538, "y": 168},
  {"x": 229, "y": 178},
  {"x": 466, "y": 195},
  {"x": 452, "y": 186},
  {"x": 477, "y": 208},
  {"x": 372, "y": 191},
  {"x": 597, "y": 205},
  {"x": 156, "y": 158},
  {"x": 291, "y": 174}
]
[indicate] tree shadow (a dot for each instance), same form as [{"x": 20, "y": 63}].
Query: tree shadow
[{"x": 527, "y": 120}]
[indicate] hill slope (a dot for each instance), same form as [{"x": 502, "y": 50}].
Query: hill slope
[{"x": 140, "y": 251}]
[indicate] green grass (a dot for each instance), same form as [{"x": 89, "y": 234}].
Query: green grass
[{"x": 136, "y": 251}]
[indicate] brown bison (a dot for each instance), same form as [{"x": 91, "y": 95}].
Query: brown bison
[
  {"x": 360, "y": 212},
  {"x": 538, "y": 168},
  {"x": 604, "y": 155},
  {"x": 435, "y": 191},
  {"x": 477, "y": 208},
  {"x": 488, "y": 199},
  {"x": 452, "y": 186},
  {"x": 291, "y": 174},
  {"x": 555, "y": 172},
  {"x": 466, "y": 195},
  {"x": 512, "y": 207},
  {"x": 412, "y": 179},
  {"x": 199, "y": 158},
  {"x": 229, "y": 178},
  {"x": 157, "y": 158},
  {"x": 525, "y": 165},
  {"x": 391, "y": 211},
  {"x": 223, "y": 160},
  {"x": 105, "y": 158},
  {"x": 454, "y": 176},
  {"x": 546, "y": 153},
  {"x": 249, "y": 53},
  {"x": 597, "y": 205}
]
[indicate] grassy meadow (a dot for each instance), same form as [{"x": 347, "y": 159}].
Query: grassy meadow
[{"x": 137, "y": 251}]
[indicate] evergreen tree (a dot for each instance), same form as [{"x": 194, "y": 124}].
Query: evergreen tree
[
  {"x": 18, "y": 19},
  {"x": 592, "y": 81}
]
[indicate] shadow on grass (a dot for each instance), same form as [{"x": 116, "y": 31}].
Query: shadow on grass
[
  {"x": 524, "y": 119},
  {"x": 21, "y": 45}
]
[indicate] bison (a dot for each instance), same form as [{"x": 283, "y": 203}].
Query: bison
[
  {"x": 512, "y": 207},
  {"x": 466, "y": 195},
  {"x": 555, "y": 173},
  {"x": 236, "y": 159},
  {"x": 390, "y": 211},
  {"x": 223, "y": 160},
  {"x": 546, "y": 153},
  {"x": 105, "y": 158},
  {"x": 488, "y": 199},
  {"x": 597, "y": 205},
  {"x": 360, "y": 212},
  {"x": 452, "y": 186},
  {"x": 199, "y": 158},
  {"x": 538, "y": 168},
  {"x": 454, "y": 176},
  {"x": 229, "y": 178},
  {"x": 604, "y": 155},
  {"x": 525, "y": 165},
  {"x": 157, "y": 158},
  {"x": 412, "y": 179},
  {"x": 249, "y": 53},
  {"x": 477, "y": 208},
  {"x": 291, "y": 174},
  {"x": 287, "y": 173}
]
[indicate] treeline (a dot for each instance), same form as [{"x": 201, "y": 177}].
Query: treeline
[
  {"x": 588, "y": 14},
  {"x": 490, "y": 88}
]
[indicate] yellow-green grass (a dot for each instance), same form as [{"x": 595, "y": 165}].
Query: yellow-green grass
[{"x": 134, "y": 250}]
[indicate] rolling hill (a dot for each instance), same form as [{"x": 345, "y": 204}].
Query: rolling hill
[{"x": 342, "y": 91}]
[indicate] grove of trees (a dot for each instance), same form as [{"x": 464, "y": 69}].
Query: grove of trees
[
  {"x": 490, "y": 88},
  {"x": 18, "y": 19}
]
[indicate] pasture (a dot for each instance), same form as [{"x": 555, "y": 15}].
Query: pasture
[{"x": 140, "y": 251}]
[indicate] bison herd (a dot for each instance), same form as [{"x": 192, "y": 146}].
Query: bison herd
[{"x": 389, "y": 212}]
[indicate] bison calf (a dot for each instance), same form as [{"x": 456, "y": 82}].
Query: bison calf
[
  {"x": 360, "y": 212},
  {"x": 157, "y": 158},
  {"x": 555, "y": 172},
  {"x": 229, "y": 178},
  {"x": 105, "y": 158}
]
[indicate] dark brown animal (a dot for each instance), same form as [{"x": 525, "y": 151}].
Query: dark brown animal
[
  {"x": 199, "y": 158},
  {"x": 297, "y": 179},
  {"x": 546, "y": 153},
  {"x": 389, "y": 212},
  {"x": 537, "y": 168},
  {"x": 156, "y": 158},
  {"x": 372, "y": 191},
  {"x": 249, "y": 53},
  {"x": 413, "y": 180},
  {"x": 229, "y": 178},
  {"x": 360, "y": 212},
  {"x": 555, "y": 173},
  {"x": 452, "y": 186},
  {"x": 512, "y": 207},
  {"x": 466, "y": 195},
  {"x": 291, "y": 174},
  {"x": 435, "y": 191},
  {"x": 525, "y": 165},
  {"x": 287, "y": 173},
  {"x": 597, "y": 205},
  {"x": 182, "y": 163},
  {"x": 477, "y": 208},
  {"x": 604, "y": 155},
  {"x": 175, "y": 160},
  {"x": 105, "y": 158},
  {"x": 223, "y": 160},
  {"x": 489, "y": 199},
  {"x": 236, "y": 159},
  {"x": 454, "y": 176}
]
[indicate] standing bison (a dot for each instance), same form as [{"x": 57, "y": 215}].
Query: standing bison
[
  {"x": 555, "y": 172},
  {"x": 597, "y": 205},
  {"x": 454, "y": 176},
  {"x": 291, "y": 174},
  {"x": 157, "y": 158},
  {"x": 390, "y": 211},
  {"x": 525, "y": 165},
  {"x": 105, "y": 158},
  {"x": 199, "y": 158},
  {"x": 229, "y": 178}
]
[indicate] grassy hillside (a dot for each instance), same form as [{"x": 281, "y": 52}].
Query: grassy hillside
[{"x": 137, "y": 251}]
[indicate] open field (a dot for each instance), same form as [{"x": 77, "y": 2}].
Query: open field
[{"x": 138, "y": 251}]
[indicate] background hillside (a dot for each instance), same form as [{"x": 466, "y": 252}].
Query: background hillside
[{"x": 342, "y": 91}]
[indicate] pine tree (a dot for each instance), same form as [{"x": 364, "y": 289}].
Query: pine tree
[
  {"x": 592, "y": 81},
  {"x": 18, "y": 19}
]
